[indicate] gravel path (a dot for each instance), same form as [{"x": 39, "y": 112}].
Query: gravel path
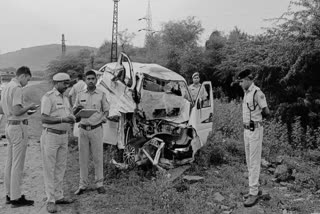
[{"x": 33, "y": 186}]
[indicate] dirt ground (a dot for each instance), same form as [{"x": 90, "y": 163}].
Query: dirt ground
[{"x": 33, "y": 186}]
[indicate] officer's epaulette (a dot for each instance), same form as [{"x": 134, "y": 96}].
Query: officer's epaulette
[
  {"x": 99, "y": 90},
  {"x": 83, "y": 90},
  {"x": 49, "y": 93}
]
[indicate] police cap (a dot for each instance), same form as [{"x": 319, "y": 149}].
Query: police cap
[
  {"x": 244, "y": 73},
  {"x": 61, "y": 77},
  {"x": 195, "y": 74}
]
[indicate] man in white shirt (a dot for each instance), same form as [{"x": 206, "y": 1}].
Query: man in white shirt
[{"x": 76, "y": 88}]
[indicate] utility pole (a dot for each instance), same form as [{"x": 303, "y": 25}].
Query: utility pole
[
  {"x": 63, "y": 46},
  {"x": 114, "y": 44},
  {"x": 149, "y": 19}
]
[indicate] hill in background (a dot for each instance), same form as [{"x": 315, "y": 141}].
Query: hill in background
[{"x": 38, "y": 57}]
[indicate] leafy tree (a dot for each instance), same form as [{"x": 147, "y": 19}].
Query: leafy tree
[
  {"x": 70, "y": 63},
  {"x": 154, "y": 52},
  {"x": 103, "y": 54},
  {"x": 125, "y": 39},
  {"x": 213, "y": 56},
  {"x": 191, "y": 60},
  {"x": 301, "y": 21},
  {"x": 236, "y": 35},
  {"x": 178, "y": 37}
]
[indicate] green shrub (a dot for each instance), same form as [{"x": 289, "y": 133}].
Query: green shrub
[
  {"x": 210, "y": 154},
  {"x": 228, "y": 120},
  {"x": 304, "y": 138},
  {"x": 275, "y": 139}
]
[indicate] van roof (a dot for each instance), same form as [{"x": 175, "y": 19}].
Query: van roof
[{"x": 153, "y": 70}]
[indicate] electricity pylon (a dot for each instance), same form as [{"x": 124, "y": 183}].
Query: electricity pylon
[
  {"x": 114, "y": 44},
  {"x": 63, "y": 45}
]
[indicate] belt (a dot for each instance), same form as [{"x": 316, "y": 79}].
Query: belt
[
  {"x": 18, "y": 122},
  {"x": 55, "y": 131},
  {"x": 89, "y": 127},
  {"x": 256, "y": 125}
]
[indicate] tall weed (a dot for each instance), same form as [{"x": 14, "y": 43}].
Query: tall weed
[
  {"x": 304, "y": 138},
  {"x": 275, "y": 139},
  {"x": 228, "y": 120}
]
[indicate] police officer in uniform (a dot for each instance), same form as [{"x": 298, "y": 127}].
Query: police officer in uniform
[
  {"x": 16, "y": 132},
  {"x": 254, "y": 108},
  {"x": 195, "y": 87},
  {"x": 56, "y": 115},
  {"x": 76, "y": 88},
  {"x": 91, "y": 131}
]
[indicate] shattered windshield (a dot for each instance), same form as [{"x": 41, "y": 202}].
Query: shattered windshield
[
  {"x": 165, "y": 99},
  {"x": 178, "y": 88}
]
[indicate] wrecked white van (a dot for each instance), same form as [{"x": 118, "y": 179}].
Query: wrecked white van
[{"x": 152, "y": 116}]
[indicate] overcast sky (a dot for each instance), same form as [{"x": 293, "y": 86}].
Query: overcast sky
[{"x": 26, "y": 23}]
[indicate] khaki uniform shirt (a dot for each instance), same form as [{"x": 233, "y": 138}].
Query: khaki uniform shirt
[
  {"x": 92, "y": 100},
  {"x": 55, "y": 104},
  {"x": 76, "y": 88},
  {"x": 12, "y": 95},
  {"x": 194, "y": 92},
  {"x": 256, "y": 104}
]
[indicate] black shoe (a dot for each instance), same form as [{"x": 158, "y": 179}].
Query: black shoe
[
  {"x": 8, "y": 201},
  {"x": 65, "y": 201},
  {"x": 22, "y": 201},
  {"x": 251, "y": 200},
  {"x": 248, "y": 194},
  {"x": 80, "y": 191},
  {"x": 101, "y": 190},
  {"x": 51, "y": 207}
]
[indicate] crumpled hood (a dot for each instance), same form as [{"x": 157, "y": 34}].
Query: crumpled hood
[{"x": 159, "y": 105}]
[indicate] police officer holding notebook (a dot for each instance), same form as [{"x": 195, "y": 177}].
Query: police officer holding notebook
[
  {"x": 91, "y": 131},
  {"x": 254, "y": 107},
  {"x": 56, "y": 116},
  {"x": 17, "y": 134}
]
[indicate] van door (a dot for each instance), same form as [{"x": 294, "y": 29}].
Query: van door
[
  {"x": 201, "y": 117},
  {"x": 129, "y": 79}
]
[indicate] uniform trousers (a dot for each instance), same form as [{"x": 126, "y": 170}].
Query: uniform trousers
[
  {"x": 253, "y": 149},
  {"x": 91, "y": 140},
  {"x": 54, "y": 150},
  {"x": 17, "y": 136}
]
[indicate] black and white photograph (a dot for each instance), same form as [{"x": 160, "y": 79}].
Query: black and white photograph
[{"x": 153, "y": 107}]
